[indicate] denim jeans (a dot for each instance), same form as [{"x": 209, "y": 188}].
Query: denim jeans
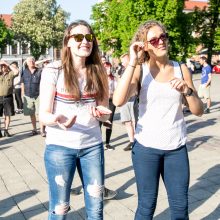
[
  {"x": 60, "y": 163},
  {"x": 173, "y": 166}
]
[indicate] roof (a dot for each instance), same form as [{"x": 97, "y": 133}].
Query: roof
[
  {"x": 191, "y": 5},
  {"x": 7, "y": 19}
]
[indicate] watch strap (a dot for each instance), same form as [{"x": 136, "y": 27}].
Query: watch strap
[{"x": 189, "y": 92}]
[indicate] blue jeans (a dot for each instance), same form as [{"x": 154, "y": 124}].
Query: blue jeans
[
  {"x": 60, "y": 163},
  {"x": 173, "y": 166}
]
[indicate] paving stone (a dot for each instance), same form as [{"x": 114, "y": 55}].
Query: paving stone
[{"x": 23, "y": 181}]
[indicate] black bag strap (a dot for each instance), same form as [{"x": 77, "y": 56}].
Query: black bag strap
[
  {"x": 140, "y": 81},
  {"x": 180, "y": 63},
  {"x": 184, "y": 101}
]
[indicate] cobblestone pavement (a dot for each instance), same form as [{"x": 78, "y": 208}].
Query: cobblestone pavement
[{"x": 23, "y": 182}]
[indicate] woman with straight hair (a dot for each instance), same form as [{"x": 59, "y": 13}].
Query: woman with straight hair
[
  {"x": 159, "y": 148},
  {"x": 73, "y": 99}
]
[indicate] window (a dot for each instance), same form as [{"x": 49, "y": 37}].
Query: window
[
  {"x": 14, "y": 49},
  {"x": 25, "y": 48},
  {"x": 4, "y": 50},
  {"x": 57, "y": 54}
]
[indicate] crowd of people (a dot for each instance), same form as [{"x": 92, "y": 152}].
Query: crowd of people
[{"x": 76, "y": 98}]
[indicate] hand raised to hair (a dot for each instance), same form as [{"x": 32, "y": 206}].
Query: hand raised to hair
[
  {"x": 2, "y": 62},
  {"x": 136, "y": 50}
]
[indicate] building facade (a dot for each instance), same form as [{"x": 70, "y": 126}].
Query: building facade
[{"x": 20, "y": 51}]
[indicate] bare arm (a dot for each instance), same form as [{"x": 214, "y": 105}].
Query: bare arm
[
  {"x": 209, "y": 80},
  {"x": 15, "y": 70},
  {"x": 127, "y": 85},
  {"x": 194, "y": 103},
  {"x": 98, "y": 114},
  {"x": 47, "y": 93}
]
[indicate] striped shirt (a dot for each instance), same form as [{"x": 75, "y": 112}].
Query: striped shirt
[{"x": 86, "y": 131}]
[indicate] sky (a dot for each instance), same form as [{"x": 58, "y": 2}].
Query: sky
[{"x": 78, "y": 9}]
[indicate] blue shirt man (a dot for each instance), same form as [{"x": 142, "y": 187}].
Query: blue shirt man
[
  {"x": 206, "y": 70},
  {"x": 204, "y": 88}
]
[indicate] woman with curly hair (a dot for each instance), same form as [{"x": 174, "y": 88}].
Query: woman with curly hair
[{"x": 159, "y": 148}]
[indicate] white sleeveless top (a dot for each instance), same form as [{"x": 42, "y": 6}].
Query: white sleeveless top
[
  {"x": 86, "y": 131},
  {"x": 161, "y": 122}
]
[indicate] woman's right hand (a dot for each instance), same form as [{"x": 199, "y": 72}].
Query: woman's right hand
[
  {"x": 64, "y": 122},
  {"x": 136, "y": 49}
]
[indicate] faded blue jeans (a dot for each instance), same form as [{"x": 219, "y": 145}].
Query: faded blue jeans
[
  {"x": 173, "y": 165},
  {"x": 60, "y": 163}
]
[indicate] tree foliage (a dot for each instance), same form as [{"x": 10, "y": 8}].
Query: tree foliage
[
  {"x": 120, "y": 19},
  {"x": 206, "y": 23},
  {"x": 6, "y": 36},
  {"x": 40, "y": 23},
  {"x": 115, "y": 22}
]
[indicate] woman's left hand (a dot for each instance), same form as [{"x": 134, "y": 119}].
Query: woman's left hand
[
  {"x": 101, "y": 113},
  {"x": 179, "y": 84}
]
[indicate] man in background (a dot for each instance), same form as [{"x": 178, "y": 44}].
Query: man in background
[
  {"x": 30, "y": 88},
  {"x": 204, "y": 88},
  {"x": 17, "y": 90},
  {"x": 7, "y": 75}
]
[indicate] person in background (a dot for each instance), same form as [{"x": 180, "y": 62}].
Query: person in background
[
  {"x": 17, "y": 90},
  {"x": 216, "y": 68},
  {"x": 30, "y": 88},
  {"x": 159, "y": 148},
  {"x": 7, "y": 75},
  {"x": 43, "y": 63},
  {"x": 111, "y": 85},
  {"x": 206, "y": 78},
  {"x": 108, "y": 193},
  {"x": 128, "y": 110},
  {"x": 73, "y": 94}
]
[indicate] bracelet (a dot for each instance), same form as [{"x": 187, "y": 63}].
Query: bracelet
[
  {"x": 131, "y": 65},
  {"x": 189, "y": 92}
]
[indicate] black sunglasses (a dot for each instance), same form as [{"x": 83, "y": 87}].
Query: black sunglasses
[
  {"x": 155, "y": 41},
  {"x": 80, "y": 37}
]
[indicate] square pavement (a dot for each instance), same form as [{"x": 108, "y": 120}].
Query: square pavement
[{"x": 23, "y": 182}]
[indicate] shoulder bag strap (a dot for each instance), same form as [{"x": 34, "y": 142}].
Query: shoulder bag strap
[{"x": 140, "y": 81}]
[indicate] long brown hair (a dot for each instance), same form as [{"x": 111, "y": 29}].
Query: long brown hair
[
  {"x": 95, "y": 75},
  {"x": 141, "y": 35}
]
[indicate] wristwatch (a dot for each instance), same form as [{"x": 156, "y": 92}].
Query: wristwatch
[{"x": 189, "y": 92}]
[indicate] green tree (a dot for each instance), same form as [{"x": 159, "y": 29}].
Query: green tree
[
  {"x": 212, "y": 42},
  {"x": 120, "y": 20},
  {"x": 6, "y": 36},
  {"x": 105, "y": 30},
  {"x": 40, "y": 23},
  {"x": 206, "y": 23},
  {"x": 115, "y": 22},
  {"x": 217, "y": 39}
]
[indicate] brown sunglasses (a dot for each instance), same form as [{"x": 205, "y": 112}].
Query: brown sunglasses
[{"x": 80, "y": 37}]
